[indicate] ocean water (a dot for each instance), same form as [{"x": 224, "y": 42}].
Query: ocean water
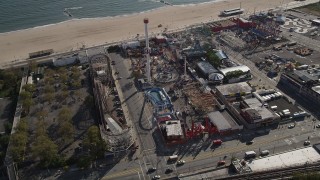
[{"x": 23, "y": 14}]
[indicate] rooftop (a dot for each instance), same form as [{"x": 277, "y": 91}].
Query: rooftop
[
  {"x": 221, "y": 55},
  {"x": 219, "y": 120},
  {"x": 114, "y": 127},
  {"x": 173, "y": 128},
  {"x": 296, "y": 157},
  {"x": 232, "y": 89},
  {"x": 206, "y": 68},
  {"x": 304, "y": 76},
  {"x": 242, "y": 68},
  {"x": 255, "y": 104},
  {"x": 316, "y": 89}
]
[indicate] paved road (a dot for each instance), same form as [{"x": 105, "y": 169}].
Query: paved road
[{"x": 277, "y": 141}]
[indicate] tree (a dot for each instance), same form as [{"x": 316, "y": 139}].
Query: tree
[
  {"x": 18, "y": 141},
  {"x": 10, "y": 79},
  {"x": 66, "y": 131},
  {"x": 234, "y": 74},
  {"x": 89, "y": 101},
  {"x": 27, "y": 103},
  {"x": 48, "y": 97},
  {"x": 94, "y": 143},
  {"x": 22, "y": 126},
  {"x": 64, "y": 78},
  {"x": 41, "y": 114},
  {"x": 29, "y": 88},
  {"x": 64, "y": 115},
  {"x": 45, "y": 149},
  {"x": 25, "y": 95},
  {"x": 49, "y": 80},
  {"x": 76, "y": 83},
  {"x": 64, "y": 94},
  {"x": 213, "y": 59},
  {"x": 48, "y": 89}
]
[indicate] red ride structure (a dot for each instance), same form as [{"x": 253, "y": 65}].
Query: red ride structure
[{"x": 198, "y": 129}]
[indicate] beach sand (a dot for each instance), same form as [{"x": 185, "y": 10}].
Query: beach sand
[{"x": 73, "y": 34}]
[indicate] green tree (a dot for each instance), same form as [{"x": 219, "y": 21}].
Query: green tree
[
  {"x": 48, "y": 89},
  {"x": 18, "y": 141},
  {"x": 64, "y": 78},
  {"x": 76, "y": 83},
  {"x": 10, "y": 79},
  {"x": 84, "y": 161},
  {"x": 64, "y": 115},
  {"x": 25, "y": 95},
  {"x": 66, "y": 131},
  {"x": 49, "y": 72},
  {"x": 48, "y": 97},
  {"x": 17, "y": 147},
  {"x": 27, "y": 103},
  {"x": 29, "y": 88},
  {"x": 22, "y": 126},
  {"x": 50, "y": 80},
  {"x": 234, "y": 74},
  {"x": 45, "y": 149},
  {"x": 213, "y": 59},
  {"x": 94, "y": 143},
  {"x": 41, "y": 115}
]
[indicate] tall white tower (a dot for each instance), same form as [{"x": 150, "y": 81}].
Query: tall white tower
[{"x": 146, "y": 21}]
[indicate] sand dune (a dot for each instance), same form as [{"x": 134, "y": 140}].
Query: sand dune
[{"x": 73, "y": 34}]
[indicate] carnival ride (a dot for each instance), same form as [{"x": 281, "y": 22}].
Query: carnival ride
[
  {"x": 159, "y": 99},
  {"x": 199, "y": 129}
]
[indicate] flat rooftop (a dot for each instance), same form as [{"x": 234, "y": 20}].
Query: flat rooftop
[
  {"x": 173, "y": 128},
  {"x": 113, "y": 126},
  {"x": 296, "y": 157},
  {"x": 232, "y": 89},
  {"x": 223, "y": 120},
  {"x": 254, "y": 103}
]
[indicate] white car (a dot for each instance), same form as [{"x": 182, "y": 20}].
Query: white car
[
  {"x": 181, "y": 162},
  {"x": 156, "y": 177},
  {"x": 291, "y": 126},
  {"x": 318, "y": 126}
]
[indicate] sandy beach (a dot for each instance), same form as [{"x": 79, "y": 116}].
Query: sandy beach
[{"x": 73, "y": 34}]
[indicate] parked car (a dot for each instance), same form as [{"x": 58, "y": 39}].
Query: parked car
[
  {"x": 113, "y": 62},
  {"x": 181, "y": 162},
  {"x": 156, "y": 177},
  {"x": 306, "y": 143},
  {"x": 249, "y": 142},
  {"x": 318, "y": 126},
  {"x": 168, "y": 171},
  {"x": 220, "y": 163},
  {"x": 152, "y": 169},
  {"x": 217, "y": 142},
  {"x": 264, "y": 153},
  {"x": 291, "y": 126}
]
